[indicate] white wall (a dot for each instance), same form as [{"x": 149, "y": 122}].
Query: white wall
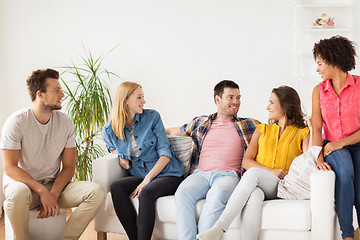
[{"x": 178, "y": 50}]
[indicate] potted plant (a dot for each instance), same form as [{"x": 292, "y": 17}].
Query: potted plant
[{"x": 88, "y": 104}]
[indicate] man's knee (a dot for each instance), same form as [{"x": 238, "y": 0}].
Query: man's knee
[
  {"x": 97, "y": 192},
  {"x": 183, "y": 194},
  {"x": 17, "y": 193},
  {"x": 218, "y": 197}
]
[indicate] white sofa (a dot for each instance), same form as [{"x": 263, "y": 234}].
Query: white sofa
[{"x": 280, "y": 219}]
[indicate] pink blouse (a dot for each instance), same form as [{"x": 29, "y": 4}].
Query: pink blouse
[{"x": 340, "y": 114}]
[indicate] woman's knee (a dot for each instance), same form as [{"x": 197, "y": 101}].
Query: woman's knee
[
  {"x": 116, "y": 188},
  {"x": 147, "y": 193},
  {"x": 257, "y": 197},
  {"x": 341, "y": 162},
  {"x": 252, "y": 174}
]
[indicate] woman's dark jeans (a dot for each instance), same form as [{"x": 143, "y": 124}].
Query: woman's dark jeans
[
  {"x": 142, "y": 228},
  {"x": 346, "y": 164}
]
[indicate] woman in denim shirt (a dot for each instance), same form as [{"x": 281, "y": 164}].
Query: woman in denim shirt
[{"x": 138, "y": 137}]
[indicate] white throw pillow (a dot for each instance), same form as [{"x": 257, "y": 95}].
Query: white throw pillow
[
  {"x": 182, "y": 147},
  {"x": 296, "y": 184}
]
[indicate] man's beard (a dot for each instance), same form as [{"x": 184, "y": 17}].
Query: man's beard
[{"x": 51, "y": 107}]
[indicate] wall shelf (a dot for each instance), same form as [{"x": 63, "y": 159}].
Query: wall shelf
[
  {"x": 326, "y": 5},
  {"x": 305, "y": 13}
]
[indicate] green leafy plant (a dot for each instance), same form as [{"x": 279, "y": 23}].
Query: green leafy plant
[{"x": 88, "y": 102}]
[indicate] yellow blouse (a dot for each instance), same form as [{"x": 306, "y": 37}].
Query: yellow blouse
[{"x": 278, "y": 152}]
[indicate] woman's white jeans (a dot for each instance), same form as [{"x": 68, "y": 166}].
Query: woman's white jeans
[{"x": 247, "y": 199}]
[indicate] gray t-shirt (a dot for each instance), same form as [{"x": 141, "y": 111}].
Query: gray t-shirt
[{"x": 40, "y": 145}]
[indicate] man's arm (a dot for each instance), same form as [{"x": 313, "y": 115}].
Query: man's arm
[
  {"x": 10, "y": 160},
  {"x": 61, "y": 180},
  {"x": 48, "y": 201},
  {"x": 175, "y": 131},
  {"x": 67, "y": 172}
]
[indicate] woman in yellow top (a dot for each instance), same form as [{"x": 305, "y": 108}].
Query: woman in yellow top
[{"x": 267, "y": 160}]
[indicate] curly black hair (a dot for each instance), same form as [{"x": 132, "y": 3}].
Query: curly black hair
[{"x": 337, "y": 51}]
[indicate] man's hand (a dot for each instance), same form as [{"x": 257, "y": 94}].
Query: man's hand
[
  {"x": 124, "y": 163},
  {"x": 49, "y": 206}
]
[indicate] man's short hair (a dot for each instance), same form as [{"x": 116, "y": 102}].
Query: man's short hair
[
  {"x": 219, "y": 88},
  {"x": 37, "y": 81}
]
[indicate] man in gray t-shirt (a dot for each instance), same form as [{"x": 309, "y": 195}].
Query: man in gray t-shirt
[{"x": 38, "y": 149}]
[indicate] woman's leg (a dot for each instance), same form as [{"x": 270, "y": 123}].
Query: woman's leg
[
  {"x": 160, "y": 187},
  {"x": 250, "y": 216},
  {"x": 125, "y": 211},
  {"x": 254, "y": 177},
  {"x": 342, "y": 163},
  {"x": 355, "y": 153}
]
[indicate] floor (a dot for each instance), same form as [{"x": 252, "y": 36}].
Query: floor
[{"x": 90, "y": 234}]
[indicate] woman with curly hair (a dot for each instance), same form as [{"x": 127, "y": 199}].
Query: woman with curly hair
[
  {"x": 336, "y": 124},
  {"x": 268, "y": 157}
]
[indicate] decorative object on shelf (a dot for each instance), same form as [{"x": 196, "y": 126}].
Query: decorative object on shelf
[
  {"x": 88, "y": 104},
  {"x": 324, "y": 21}
]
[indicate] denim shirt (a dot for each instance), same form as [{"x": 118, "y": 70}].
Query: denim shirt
[{"x": 152, "y": 142}]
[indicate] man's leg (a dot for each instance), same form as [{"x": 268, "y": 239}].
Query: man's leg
[
  {"x": 19, "y": 199},
  {"x": 222, "y": 185},
  {"x": 88, "y": 198},
  {"x": 192, "y": 189}
]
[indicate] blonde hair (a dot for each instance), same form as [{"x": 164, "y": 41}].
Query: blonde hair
[{"x": 119, "y": 113}]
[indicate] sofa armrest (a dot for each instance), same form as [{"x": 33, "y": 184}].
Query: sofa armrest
[
  {"x": 322, "y": 194},
  {"x": 106, "y": 170}
]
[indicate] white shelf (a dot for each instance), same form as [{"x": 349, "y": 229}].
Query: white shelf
[
  {"x": 305, "y": 13},
  {"x": 325, "y": 5},
  {"x": 324, "y": 29}
]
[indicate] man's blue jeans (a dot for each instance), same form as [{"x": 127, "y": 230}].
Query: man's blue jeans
[
  {"x": 216, "y": 187},
  {"x": 346, "y": 164}
]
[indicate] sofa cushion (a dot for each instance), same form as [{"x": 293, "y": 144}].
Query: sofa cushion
[
  {"x": 276, "y": 214},
  {"x": 296, "y": 184},
  {"x": 182, "y": 147}
]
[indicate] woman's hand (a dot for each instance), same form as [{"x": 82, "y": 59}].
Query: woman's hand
[
  {"x": 332, "y": 146},
  {"x": 137, "y": 191},
  {"x": 280, "y": 173},
  {"x": 322, "y": 165},
  {"x": 124, "y": 163}
]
